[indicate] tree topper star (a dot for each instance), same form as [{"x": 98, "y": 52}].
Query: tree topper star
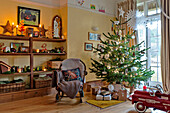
[{"x": 121, "y": 12}]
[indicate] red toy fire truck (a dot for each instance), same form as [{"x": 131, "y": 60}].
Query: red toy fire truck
[{"x": 154, "y": 98}]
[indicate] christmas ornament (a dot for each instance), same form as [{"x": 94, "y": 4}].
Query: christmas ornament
[
  {"x": 107, "y": 56},
  {"x": 116, "y": 22},
  {"x": 121, "y": 12},
  {"x": 133, "y": 69},
  {"x": 8, "y": 27}
]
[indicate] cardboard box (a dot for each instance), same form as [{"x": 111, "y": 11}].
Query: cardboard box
[{"x": 53, "y": 64}]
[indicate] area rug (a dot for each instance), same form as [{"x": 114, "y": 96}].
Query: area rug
[{"x": 103, "y": 104}]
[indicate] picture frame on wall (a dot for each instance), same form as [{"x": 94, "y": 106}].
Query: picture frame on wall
[
  {"x": 94, "y": 36},
  {"x": 88, "y": 46},
  {"x": 29, "y": 16}
]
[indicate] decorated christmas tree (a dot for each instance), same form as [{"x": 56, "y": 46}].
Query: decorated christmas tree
[{"x": 119, "y": 62}]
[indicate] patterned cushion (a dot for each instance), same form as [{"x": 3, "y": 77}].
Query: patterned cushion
[{"x": 73, "y": 74}]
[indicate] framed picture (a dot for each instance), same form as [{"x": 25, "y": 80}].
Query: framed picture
[
  {"x": 36, "y": 34},
  {"x": 94, "y": 36},
  {"x": 88, "y": 46},
  {"x": 16, "y": 46},
  {"x": 29, "y": 16},
  {"x": 24, "y": 49}
]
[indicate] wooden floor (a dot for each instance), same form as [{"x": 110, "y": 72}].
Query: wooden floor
[{"x": 47, "y": 104}]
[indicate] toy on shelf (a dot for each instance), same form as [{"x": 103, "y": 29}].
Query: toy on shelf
[
  {"x": 151, "y": 98},
  {"x": 44, "y": 50},
  {"x": 58, "y": 50}
]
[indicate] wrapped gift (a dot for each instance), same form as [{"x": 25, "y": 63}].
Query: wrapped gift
[
  {"x": 107, "y": 97},
  {"x": 95, "y": 89},
  {"x": 99, "y": 97},
  {"x": 103, "y": 97}
]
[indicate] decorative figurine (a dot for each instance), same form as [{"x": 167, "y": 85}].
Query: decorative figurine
[
  {"x": 44, "y": 50},
  {"x": 43, "y": 30},
  {"x": 8, "y": 27},
  {"x": 21, "y": 27}
]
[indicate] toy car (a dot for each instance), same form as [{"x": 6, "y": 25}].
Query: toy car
[{"x": 151, "y": 99}]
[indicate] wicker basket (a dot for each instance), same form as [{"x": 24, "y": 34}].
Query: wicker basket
[
  {"x": 11, "y": 87},
  {"x": 42, "y": 83}
]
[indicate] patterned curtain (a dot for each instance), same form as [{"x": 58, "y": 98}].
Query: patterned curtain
[{"x": 127, "y": 5}]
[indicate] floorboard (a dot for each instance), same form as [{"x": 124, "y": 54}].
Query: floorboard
[{"x": 47, "y": 104}]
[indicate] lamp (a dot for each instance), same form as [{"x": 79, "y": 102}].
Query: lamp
[{"x": 94, "y": 28}]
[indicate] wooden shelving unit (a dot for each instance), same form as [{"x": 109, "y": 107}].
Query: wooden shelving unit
[
  {"x": 15, "y": 53},
  {"x": 31, "y": 54}
]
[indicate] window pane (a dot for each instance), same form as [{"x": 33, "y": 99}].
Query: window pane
[
  {"x": 152, "y": 8},
  {"x": 154, "y": 76},
  {"x": 154, "y": 42},
  {"x": 140, "y": 8}
]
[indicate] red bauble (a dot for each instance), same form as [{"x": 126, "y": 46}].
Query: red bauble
[{"x": 144, "y": 87}]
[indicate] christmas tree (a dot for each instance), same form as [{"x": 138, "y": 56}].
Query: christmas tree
[{"x": 118, "y": 62}]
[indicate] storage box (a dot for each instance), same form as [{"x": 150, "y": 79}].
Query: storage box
[
  {"x": 11, "y": 87},
  {"x": 53, "y": 64},
  {"x": 42, "y": 83}
]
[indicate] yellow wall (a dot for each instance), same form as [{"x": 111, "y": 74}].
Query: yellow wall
[
  {"x": 8, "y": 11},
  {"x": 76, "y": 25},
  {"x": 79, "y": 24}
]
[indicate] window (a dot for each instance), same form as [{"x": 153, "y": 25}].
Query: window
[{"x": 150, "y": 32}]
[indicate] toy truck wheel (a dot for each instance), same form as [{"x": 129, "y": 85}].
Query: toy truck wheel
[{"x": 140, "y": 107}]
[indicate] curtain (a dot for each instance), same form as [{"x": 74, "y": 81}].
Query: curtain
[
  {"x": 165, "y": 45},
  {"x": 127, "y": 5}
]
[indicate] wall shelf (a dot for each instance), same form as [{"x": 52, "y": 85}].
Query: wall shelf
[
  {"x": 49, "y": 40},
  {"x": 15, "y": 74},
  {"x": 8, "y": 37},
  {"x": 15, "y": 53},
  {"x": 49, "y": 53},
  {"x": 31, "y": 54}
]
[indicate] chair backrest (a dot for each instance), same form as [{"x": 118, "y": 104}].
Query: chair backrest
[{"x": 73, "y": 63}]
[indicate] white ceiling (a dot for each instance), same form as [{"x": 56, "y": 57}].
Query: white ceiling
[{"x": 52, "y": 3}]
